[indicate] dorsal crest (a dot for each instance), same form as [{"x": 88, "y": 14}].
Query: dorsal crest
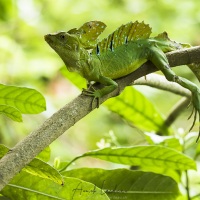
[
  {"x": 162, "y": 36},
  {"x": 88, "y": 33},
  {"x": 124, "y": 34}
]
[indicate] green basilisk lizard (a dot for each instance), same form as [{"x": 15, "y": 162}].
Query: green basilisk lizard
[{"x": 121, "y": 53}]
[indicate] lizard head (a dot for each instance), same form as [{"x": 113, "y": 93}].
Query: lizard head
[
  {"x": 67, "y": 46},
  {"x": 86, "y": 37},
  {"x": 62, "y": 42},
  {"x": 73, "y": 46}
]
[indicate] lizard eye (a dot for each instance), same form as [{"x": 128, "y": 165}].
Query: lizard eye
[{"x": 62, "y": 37}]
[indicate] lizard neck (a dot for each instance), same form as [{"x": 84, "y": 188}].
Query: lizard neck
[
  {"x": 71, "y": 59},
  {"x": 77, "y": 61}
]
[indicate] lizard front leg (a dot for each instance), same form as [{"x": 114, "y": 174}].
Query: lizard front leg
[
  {"x": 109, "y": 86},
  {"x": 159, "y": 59}
]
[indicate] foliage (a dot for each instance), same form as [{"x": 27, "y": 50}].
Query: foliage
[
  {"x": 136, "y": 184},
  {"x": 17, "y": 100},
  {"x": 154, "y": 156},
  {"x": 144, "y": 165},
  {"x": 132, "y": 106},
  {"x": 25, "y": 186},
  {"x": 77, "y": 183}
]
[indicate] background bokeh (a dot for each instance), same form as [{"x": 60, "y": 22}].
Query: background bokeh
[{"x": 26, "y": 60}]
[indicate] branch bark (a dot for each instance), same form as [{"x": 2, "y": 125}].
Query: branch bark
[{"x": 67, "y": 116}]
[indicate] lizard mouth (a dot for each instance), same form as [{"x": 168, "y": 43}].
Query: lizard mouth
[{"x": 47, "y": 38}]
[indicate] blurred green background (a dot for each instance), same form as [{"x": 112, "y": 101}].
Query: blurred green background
[{"x": 26, "y": 60}]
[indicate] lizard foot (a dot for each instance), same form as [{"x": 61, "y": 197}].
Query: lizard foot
[
  {"x": 92, "y": 93},
  {"x": 196, "y": 110}
]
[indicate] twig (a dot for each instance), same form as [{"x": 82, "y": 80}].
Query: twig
[{"x": 160, "y": 82}]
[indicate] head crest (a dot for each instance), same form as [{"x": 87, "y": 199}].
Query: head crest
[{"x": 88, "y": 33}]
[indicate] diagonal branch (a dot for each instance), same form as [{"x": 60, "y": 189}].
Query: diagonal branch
[{"x": 67, "y": 116}]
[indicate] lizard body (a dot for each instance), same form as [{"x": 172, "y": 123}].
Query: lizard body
[
  {"x": 125, "y": 50},
  {"x": 121, "y": 53}
]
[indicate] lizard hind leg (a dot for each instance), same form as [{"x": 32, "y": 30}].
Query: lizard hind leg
[{"x": 159, "y": 59}]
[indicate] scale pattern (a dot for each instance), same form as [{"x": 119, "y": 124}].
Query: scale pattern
[{"x": 124, "y": 34}]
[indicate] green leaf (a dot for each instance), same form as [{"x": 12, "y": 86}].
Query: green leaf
[
  {"x": 157, "y": 156},
  {"x": 127, "y": 184},
  {"x": 27, "y": 186},
  {"x": 197, "y": 153},
  {"x": 3, "y": 150},
  {"x": 167, "y": 141},
  {"x": 173, "y": 143},
  {"x": 27, "y": 101},
  {"x": 38, "y": 168},
  {"x": 175, "y": 174},
  {"x": 11, "y": 112},
  {"x": 3, "y": 198},
  {"x": 44, "y": 170},
  {"x": 74, "y": 77},
  {"x": 58, "y": 164},
  {"x": 138, "y": 110},
  {"x": 45, "y": 154}
]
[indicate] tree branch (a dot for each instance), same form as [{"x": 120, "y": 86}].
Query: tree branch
[
  {"x": 160, "y": 82},
  {"x": 67, "y": 116}
]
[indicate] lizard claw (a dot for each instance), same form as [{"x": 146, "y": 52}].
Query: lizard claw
[
  {"x": 195, "y": 110},
  {"x": 93, "y": 93},
  {"x": 195, "y": 117}
]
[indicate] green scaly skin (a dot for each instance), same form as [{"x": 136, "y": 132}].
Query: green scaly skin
[{"x": 104, "y": 64}]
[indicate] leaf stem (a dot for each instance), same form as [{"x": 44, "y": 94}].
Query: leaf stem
[
  {"x": 187, "y": 185},
  {"x": 68, "y": 164}
]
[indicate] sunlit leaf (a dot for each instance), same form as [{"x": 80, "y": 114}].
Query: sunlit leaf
[
  {"x": 3, "y": 150},
  {"x": 158, "y": 156},
  {"x": 38, "y": 168},
  {"x": 127, "y": 184},
  {"x": 27, "y": 101},
  {"x": 45, "y": 154},
  {"x": 138, "y": 110},
  {"x": 173, "y": 143},
  {"x": 198, "y": 150},
  {"x": 59, "y": 165},
  {"x": 167, "y": 141},
  {"x": 11, "y": 112},
  {"x": 27, "y": 186},
  {"x": 44, "y": 170}
]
